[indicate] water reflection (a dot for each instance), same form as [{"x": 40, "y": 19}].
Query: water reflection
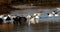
[{"x": 40, "y": 27}]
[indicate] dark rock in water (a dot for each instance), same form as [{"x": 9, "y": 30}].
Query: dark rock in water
[
  {"x": 1, "y": 20},
  {"x": 22, "y": 20},
  {"x": 15, "y": 20},
  {"x": 8, "y": 18}
]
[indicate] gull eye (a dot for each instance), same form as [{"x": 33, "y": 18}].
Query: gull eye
[
  {"x": 48, "y": 14},
  {"x": 54, "y": 11}
]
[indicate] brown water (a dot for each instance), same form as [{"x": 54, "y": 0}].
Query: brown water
[{"x": 41, "y": 27}]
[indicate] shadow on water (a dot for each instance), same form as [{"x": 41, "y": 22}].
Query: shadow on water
[{"x": 40, "y": 27}]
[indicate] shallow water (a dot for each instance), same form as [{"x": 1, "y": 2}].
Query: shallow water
[{"x": 40, "y": 27}]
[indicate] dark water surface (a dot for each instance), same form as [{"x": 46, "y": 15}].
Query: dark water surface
[{"x": 40, "y": 27}]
